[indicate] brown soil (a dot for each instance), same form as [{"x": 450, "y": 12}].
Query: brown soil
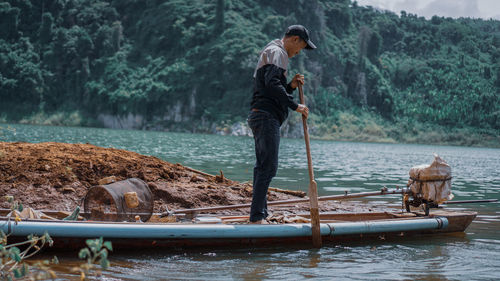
[{"x": 56, "y": 176}]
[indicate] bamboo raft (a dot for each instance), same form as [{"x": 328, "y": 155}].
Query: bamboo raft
[{"x": 229, "y": 231}]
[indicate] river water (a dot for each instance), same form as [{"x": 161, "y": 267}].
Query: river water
[{"x": 339, "y": 166}]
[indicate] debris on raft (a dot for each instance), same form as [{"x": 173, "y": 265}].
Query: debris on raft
[{"x": 57, "y": 176}]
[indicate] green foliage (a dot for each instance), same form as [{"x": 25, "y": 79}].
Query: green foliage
[
  {"x": 46, "y": 30},
  {"x": 9, "y": 21},
  {"x": 219, "y": 17},
  {"x": 456, "y": 98},
  {"x": 338, "y": 16},
  {"x": 95, "y": 252},
  {"x": 15, "y": 205},
  {"x": 21, "y": 79},
  {"x": 12, "y": 258},
  {"x": 374, "y": 46},
  {"x": 186, "y": 64}
]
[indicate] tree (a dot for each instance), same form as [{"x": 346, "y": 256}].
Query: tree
[
  {"x": 374, "y": 47},
  {"x": 497, "y": 81},
  {"x": 117, "y": 35},
  {"x": 338, "y": 16},
  {"x": 9, "y": 21},
  {"x": 198, "y": 57},
  {"x": 45, "y": 32},
  {"x": 219, "y": 17}
]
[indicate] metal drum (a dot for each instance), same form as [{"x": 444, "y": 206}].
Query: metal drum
[{"x": 119, "y": 201}]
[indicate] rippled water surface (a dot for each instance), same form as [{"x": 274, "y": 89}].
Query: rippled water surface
[{"x": 339, "y": 166}]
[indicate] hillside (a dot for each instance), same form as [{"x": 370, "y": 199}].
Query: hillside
[{"x": 187, "y": 66}]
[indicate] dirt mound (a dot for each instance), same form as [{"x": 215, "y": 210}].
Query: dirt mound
[{"x": 57, "y": 176}]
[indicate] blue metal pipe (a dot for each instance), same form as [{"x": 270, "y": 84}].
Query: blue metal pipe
[
  {"x": 157, "y": 231},
  {"x": 388, "y": 226},
  {"x": 198, "y": 231}
]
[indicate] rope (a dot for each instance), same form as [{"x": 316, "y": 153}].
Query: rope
[{"x": 447, "y": 179}]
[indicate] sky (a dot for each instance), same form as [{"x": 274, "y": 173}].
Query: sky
[{"x": 485, "y": 9}]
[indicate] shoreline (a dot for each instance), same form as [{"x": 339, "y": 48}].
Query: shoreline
[{"x": 461, "y": 137}]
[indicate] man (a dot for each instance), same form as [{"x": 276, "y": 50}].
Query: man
[{"x": 269, "y": 108}]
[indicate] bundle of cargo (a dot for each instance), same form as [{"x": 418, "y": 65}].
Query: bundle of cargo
[{"x": 430, "y": 184}]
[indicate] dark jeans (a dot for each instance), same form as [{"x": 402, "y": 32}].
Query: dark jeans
[{"x": 266, "y": 133}]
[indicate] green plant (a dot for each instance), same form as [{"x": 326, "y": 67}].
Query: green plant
[
  {"x": 14, "y": 204},
  {"x": 95, "y": 252},
  {"x": 12, "y": 258}
]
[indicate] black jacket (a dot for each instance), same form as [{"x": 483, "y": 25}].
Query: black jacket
[{"x": 271, "y": 91}]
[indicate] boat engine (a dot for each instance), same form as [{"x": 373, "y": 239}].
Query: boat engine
[{"x": 429, "y": 185}]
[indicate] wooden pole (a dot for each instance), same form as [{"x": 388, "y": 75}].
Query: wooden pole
[
  {"x": 287, "y": 202},
  {"x": 470, "y": 201},
  {"x": 239, "y": 206},
  {"x": 313, "y": 187}
]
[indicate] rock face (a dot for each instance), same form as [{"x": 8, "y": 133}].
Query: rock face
[
  {"x": 289, "y": 129},
  {"x": 129, "y": 121},
  {"x": 240, "y": 129}
]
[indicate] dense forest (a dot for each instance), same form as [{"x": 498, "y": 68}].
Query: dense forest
[{"x": 188, "y": 65}]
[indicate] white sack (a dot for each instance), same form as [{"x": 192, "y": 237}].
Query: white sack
[{"x": 432, "y": 182}]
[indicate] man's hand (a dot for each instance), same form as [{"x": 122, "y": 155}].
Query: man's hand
[
  {"x": 303, "y": 109},
  {"x": 296, "y": 80}
]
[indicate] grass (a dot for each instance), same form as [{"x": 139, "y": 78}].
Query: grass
[{"x": 55, "y": 119}]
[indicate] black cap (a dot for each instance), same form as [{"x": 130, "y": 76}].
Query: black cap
[{"x": 302, "y": 32}]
